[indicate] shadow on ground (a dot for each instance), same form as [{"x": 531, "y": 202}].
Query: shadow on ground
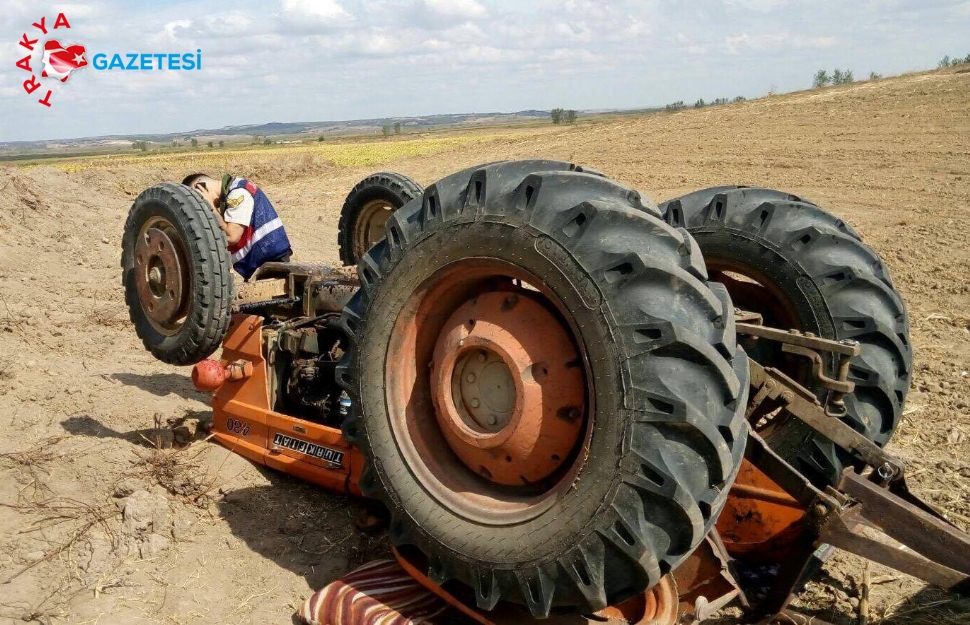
[
  {"x": 297, "y": 525},
  {"x": 301, "y": 527},
  {"x": 162, "y": 384},
  {"x": 84, "y": 425}
]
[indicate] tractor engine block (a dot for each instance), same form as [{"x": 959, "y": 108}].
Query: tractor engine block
[{"x": 303, "y": 354}]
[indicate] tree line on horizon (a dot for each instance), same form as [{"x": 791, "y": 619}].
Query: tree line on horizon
[
  {"x": 701, "y": 103},
  {"x": 838, "y": 77},
  {"x": 946, "y": 61},
  {"x": 844, "y": 77}
]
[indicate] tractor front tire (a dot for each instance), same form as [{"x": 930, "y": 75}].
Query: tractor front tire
[
  {"x": 546, "y": 282},
  {"x": 805, "y": 269},
  {"x": 366, "y": 209},
  {"x": 176, "y": 273}
]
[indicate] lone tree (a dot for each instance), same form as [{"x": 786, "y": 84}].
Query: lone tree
[
  {"x": 570, "y": 117},
  {"x": 821, "y": 79},
  {"x": 699, "y": 103},
  {"x": 210, "y": 144},
  {"x": 397, "y": 128},
  {"x": 222, "y": 144},
  {"x": 874, "y": 76},
  {"x": 195, "y": 142},
  {"x": 386, "y": 130},
  {"x": 557, "y": 115}
]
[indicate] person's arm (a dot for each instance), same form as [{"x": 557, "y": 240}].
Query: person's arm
[
  {"x": 233, "y": 231},
  {"x": 238, "y": 214}
]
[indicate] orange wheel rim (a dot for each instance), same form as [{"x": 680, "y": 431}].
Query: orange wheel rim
[
  {"x": 507, "y": 392},
  {"x": 371, "y": 225},
  {"x": 489, "y": 401},
  {"x": 161, "y": 275},
  {"x": 657, "y": 606}
]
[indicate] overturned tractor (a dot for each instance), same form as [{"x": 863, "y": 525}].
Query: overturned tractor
[{"x": 569, "y": 399}]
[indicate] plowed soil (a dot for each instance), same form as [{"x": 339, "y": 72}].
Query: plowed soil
[{"x": 96, "y": 525}]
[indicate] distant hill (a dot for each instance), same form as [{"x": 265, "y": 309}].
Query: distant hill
[{"x": 278, "y": 129}]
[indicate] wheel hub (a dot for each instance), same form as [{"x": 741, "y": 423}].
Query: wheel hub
[
  {"x": 484, "y": 389},
  {"x": 372, "y": 225},
  {"x": 508, "y": 388},
  {"x": 158, "y": 277}
]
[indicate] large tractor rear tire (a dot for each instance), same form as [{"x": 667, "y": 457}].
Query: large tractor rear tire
[
  {"x": 366, "y": 209},
  {"x": 547, "y": 391},
  {"x": 177, "y": 274},
  {"x": 805, "y": 269}
]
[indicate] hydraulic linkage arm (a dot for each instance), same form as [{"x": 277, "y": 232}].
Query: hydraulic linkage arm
[{"x": 870, "y": 513}]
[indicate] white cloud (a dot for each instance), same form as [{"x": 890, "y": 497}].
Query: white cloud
[
  {"x": 453, "y": 9},
  {"x": 171, "y": 29},
  {"x": 775, "y": 41},
  {"x": 436, "y": 14},
  {"x": 74, "y": 11},
  {"x": 328, "y": 11},
  {"x": 762, "y": 6}
]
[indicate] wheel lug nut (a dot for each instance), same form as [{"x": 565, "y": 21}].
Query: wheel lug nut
[
  {"x": 475, "y": 403},
  {"x": 492, "y": 420},
  {"x": 469, "y": 377}
]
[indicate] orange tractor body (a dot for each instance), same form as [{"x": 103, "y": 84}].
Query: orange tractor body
[{"x": 244, "y": 423}]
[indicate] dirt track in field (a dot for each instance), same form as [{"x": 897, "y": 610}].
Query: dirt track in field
[{"x": 208, "y": 538}]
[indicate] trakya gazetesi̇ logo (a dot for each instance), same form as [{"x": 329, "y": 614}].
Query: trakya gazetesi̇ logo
[{"x": 61, "y": 61}]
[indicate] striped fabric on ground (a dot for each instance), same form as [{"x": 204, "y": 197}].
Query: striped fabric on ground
[{"x": 378, "y": 593}]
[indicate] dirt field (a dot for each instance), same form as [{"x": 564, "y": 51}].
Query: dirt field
[{"x": 98, "y": 526}]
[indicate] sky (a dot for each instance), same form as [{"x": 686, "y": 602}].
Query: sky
[{"x": 315, "y": 60}]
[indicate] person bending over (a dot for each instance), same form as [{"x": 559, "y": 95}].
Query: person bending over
[{"x": 254, "y": 231}]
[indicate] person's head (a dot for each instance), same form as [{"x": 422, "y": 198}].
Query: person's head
[{"x": 208, "y": 187}]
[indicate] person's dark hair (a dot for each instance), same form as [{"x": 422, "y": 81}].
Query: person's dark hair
[{"x": 192, "y": 178}]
